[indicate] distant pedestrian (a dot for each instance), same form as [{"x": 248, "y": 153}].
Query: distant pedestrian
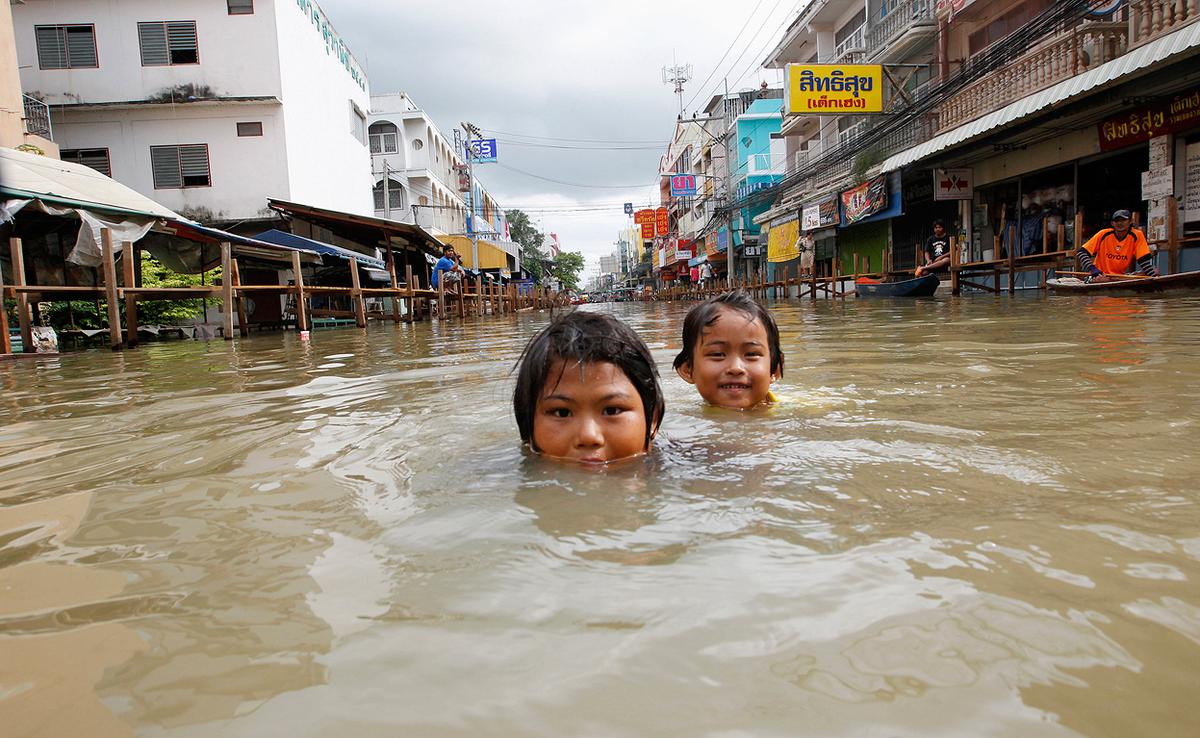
[{"x": 706, "y": 275}]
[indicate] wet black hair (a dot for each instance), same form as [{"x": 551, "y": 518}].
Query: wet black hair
[
  {"x": 587, "y": 338},
  {"x": 939, "y": 222},
  {"x": 707, "y": 312}
]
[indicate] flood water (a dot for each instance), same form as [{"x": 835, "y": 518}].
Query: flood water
[{"x": 968, "y": 517}]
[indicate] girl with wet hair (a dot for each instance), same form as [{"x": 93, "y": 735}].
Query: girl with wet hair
[
  {"x": 731, "y": 351},
  {"x": 587, "y": 390}
]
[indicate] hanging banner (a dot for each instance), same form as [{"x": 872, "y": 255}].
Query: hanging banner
[
  {"x": 1126, "y": 129},
  {"x": 783, "y": 240},
  {"x": 821, "y": 214},
  {"x": 834, "y": 88},
  {"x": 647, "y": 231},
  {"x": 643, "y": 217},
  {"x": 811, "y": 219},
  {"x": 866, "y": 199},
  {"x": 662, "y": 221},
  {"x": 711, "y": 245}
]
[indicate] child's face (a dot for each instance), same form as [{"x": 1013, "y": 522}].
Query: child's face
[
  {"x": 731, "y": 363},
  {"x": 594, "y": 415}
]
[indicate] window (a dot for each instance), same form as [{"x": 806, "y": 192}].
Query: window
[
  {"x": 166, "y": 43},
  {"x": 851, "y": 27},
  {"x": 358, "y": 123},
  {"x": 253, "y": 128},
  {"x": 180, "y": 166},
  {"x": 240, "y": 7},
  {"x": 66, "y": 47},
  {"x": 1005, "y": 24},
  {"x": 384, "y": 138},
  {"x": 395, "y": 196},
  {"x": 95, "y": 158}
]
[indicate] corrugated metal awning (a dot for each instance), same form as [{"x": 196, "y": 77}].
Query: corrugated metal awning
[{"x": 1152, "y": 53}]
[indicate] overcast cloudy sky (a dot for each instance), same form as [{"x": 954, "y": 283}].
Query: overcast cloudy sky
[{"x": 564, "y": 70}]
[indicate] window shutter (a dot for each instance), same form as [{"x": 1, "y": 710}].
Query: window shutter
[
  {"x": 51, "y": 47},
  {"x": 379, "y": 196},
  {"x": 181, "y": 39},
  {"x": 240, "y": 7},
  {"x": 81, "y": 47},
  {"x": 153, "y": 38},
  {"x": 164, "y": 161},
  {"x": 193, "y": 162},
  {"x": 94, "y": 158}
]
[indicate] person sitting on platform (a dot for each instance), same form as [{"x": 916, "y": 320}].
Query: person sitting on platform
[
  {"x": 937, "y": 251},
  {"x": 1116, "y": 251},
  {"x": 447, "y": 269}
]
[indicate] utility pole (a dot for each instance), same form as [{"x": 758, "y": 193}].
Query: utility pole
[
  {"x": 728, "y": 186},
  {"x": 472, "y": 230},
  {"x": 387, "y": 195}
]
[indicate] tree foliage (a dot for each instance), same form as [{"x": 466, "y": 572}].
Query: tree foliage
[
  {"x": 531, "y": 240},
  {"x": 568, "y": 265}
]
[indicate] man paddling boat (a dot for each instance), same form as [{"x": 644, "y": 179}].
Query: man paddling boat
[{"x": 1116, "y": 251}]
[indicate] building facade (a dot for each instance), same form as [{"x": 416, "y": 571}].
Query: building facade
[{"x": 208, "y": 107}]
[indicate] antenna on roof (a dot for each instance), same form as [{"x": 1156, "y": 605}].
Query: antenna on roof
[{"x": 678, "y": 75}]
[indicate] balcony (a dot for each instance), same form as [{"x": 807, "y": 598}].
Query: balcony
[
  {"x": 37, "y": 118},
  {"x": 906, "y": 25},
  {"x": 1151, "y": 19},
  {"x": 853, "y": 50},
  {"x": 1047, "y": 64},
  {"x": 760, "y": 164}
]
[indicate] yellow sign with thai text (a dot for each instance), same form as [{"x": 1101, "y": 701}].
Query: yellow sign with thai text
[
  {"x": 783, "y": 241},
  {"x": 834, "y": 89}
]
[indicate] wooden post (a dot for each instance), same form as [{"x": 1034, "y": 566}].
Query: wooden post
[
  {"x": 301, "y": 306},
  {"x": 1079, "y": 239},
  {"x": 1172, "y": 235},
  {"x": 1045, "y": 235},
  {"x": 954, "y": 287},
  {"x": 411, "y": 304},
  {"x": 240, "y": 298},
  {"x": 441, "y": 299},
  {"x": 462, "y": 297},
  {"x": 1012, "y": 262},
  {"x": 479, "y": 294},
  {"x": 391, "y": 263},
  {"x": 356, "y": 296},
  {"x": 24, "y": 319},
  {"x": 131, "y": 318},
  {"x": 5, "y": 341},
  {"x": 227, "y": 289},
  {"x": 110, "y": 289}
]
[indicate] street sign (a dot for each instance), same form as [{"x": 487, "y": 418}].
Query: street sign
[
  {"x": 629, "y": 208},
  {"x": 953, "y": 184},
  {"x": 483, "y": 150},
  {"x": 683, "y": 185},
  {"x": 662, "y": 221}
]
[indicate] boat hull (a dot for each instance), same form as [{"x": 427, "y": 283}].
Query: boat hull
[
  {"x": 1185, "y": 281},
  {"x": 919, "y": 287}
]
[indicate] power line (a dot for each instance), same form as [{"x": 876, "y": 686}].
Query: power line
[
  {"x": 729, "y": 48},
  {"x": 574, "y": 184},
  {"x": 576, "y": 140},
  {"x": 530, "y": 144}
]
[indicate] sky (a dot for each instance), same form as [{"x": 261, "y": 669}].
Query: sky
[{"x": 547, "y": 79}]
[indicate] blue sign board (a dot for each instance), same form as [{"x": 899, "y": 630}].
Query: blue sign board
[
  {"x": 483, "y": 150},
  {"x": 683, "y": 185},
  {"x": 629, "y": 208}
]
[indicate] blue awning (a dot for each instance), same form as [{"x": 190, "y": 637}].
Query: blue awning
[
  {"x": 291, "y": 240},
  {"x": 894, "y": 206},
  {"x": 698, "y": 260}
]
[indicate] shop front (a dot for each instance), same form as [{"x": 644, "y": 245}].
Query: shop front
[{"x": 865, "y": 229}]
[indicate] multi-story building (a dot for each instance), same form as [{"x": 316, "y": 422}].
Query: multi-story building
[
  {"x": 422, "y": 177},
  {"x": 1023, "y": 124},
  {"x": 24, "y": 121},
  {"x": 208, "y": 107}
]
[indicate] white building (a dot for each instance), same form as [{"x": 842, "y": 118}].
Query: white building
[
  {"x": 420, "y": 177},
  {"x": 208, "y": 107}
]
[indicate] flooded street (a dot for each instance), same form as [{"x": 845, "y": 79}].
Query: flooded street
[{"x": 973, "y": 516}]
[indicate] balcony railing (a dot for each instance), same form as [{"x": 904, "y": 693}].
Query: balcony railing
[
  {"x": 1150, "y": 19},
  {"x": 764, "y": 164},
  {"x": 853, "y": 48},
  {"x": 37, "y": 118},
  {"x": 899, "y": 19},
  {"x": 1058, "y": 59}
]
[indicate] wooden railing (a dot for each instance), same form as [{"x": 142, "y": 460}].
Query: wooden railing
[
  {"x": 1151, "y": 19},
  {"x": 1051, "y": 62}
]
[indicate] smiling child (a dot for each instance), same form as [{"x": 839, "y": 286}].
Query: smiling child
[
  {"x": 587, "y": 390},
  {"x": 731, "y": 351}
]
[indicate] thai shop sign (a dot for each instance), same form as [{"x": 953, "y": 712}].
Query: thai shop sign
[
  {"x": 821, "y": 214},
  {"x": 662, "y": 221},
  {"x": 645, "y": 219},
  {"x": 783, "y": 240},
  {"x": 1126, "y": 129},
  {"x": 835, "y": 88},
  {"x": 683, "y": 250},
  {"x": 711, "y": 247},
  {"x": 865, "y": 200}
]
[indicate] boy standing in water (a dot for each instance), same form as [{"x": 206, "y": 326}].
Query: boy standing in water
[{"x": 731, "y": 351}]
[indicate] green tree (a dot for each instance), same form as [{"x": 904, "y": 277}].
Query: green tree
[
  {"x": 567, "y": 267},
  {"x": 520, "y": 227}
]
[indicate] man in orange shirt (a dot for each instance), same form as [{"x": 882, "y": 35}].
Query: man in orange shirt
[{"x": 1117, "y": 250}]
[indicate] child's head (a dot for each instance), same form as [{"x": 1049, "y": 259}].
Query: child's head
[
  {"x": 587, "y": 390},
  {"x": 730, "y": 351}
]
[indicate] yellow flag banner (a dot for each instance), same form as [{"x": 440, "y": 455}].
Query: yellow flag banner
[{"x": 782, "y": 241}]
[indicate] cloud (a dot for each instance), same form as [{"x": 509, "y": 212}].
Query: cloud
[{"x": 561, "y": 70}]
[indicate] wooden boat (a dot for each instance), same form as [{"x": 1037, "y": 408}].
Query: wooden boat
[
  {"x": 916, "y": 287},
  {"x": 1133, "y": 285}
]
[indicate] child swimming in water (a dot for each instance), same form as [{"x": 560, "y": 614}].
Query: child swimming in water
[
  {"x": 587, "y": 390},
  {"x": 731, "y": 351}
]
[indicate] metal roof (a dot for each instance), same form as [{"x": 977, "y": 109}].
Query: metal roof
[
  {"x": 300, "y": 243},
  {"x": 1106, "y": 74}
]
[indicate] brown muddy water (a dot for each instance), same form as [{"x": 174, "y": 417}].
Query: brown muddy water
[{"x": 974, "y": 517}]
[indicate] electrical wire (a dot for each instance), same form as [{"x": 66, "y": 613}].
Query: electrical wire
[
  {"x": 529, "y": 144},
  {"x": 573, "y": 184},
  {"x": 723, "y": 56},
  {"x": 576, "y": 140}
]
